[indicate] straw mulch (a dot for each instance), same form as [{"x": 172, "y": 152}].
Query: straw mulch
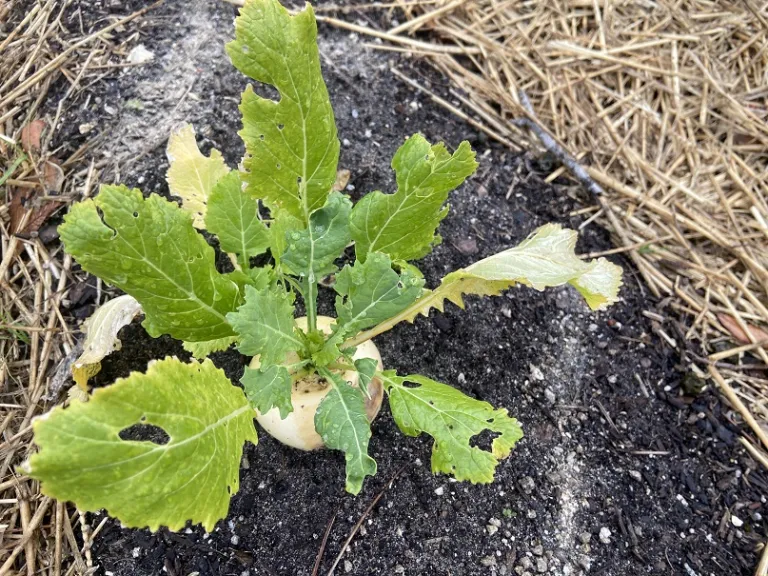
[
  {"x": 47, "y": 53},
  {"x": 665, "y": 105}
]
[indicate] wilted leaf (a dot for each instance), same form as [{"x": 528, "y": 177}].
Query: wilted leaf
[{"x": 101, "y": 336}]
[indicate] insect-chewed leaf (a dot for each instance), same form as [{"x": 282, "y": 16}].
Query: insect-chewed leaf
[
  {"x": 191, "y": 176},
  {"x": 201, "y": 350},
  {"x": 453, "y": 420},
  {"x": 101, "y": 336},
  {"x": 371, "y": 292},
  {"x": 291, "y": 145},
  {"x": 403, "y": 224},
  {"x": 82, "y": 457},
  {"x": 149, "y": 249},
  {"x": 546, "y": 258},
  {"x": 267, "y": 388},
  {"x": 343, "y": 425},
  {"x": 311, "y": 252},
  {"x": 234, "y": 218},
  {"x": 265, "y": 324}
]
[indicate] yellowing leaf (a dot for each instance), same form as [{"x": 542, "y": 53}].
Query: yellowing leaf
[
  {"x": 191, "y": 176},
  {"x": 101, "y": 336},
  {"x": 83, "y": 458},
  {"x": 291, "y": 145},
  {"x": 546, "y": 258}
]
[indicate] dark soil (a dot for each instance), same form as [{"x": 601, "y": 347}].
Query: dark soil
[{"x": 620, "y": 473}]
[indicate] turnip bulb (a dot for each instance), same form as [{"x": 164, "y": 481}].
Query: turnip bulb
[{"x": 298, "y": 428}]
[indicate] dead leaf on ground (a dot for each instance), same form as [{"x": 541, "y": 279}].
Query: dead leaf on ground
[
  {"x": 342, "y": 179},
  {"x": 757, "y": 333},
  {"x": 53, "y": 177},
  {"x": 31, "y": 135},
  {"x": 26, "y": 213}
]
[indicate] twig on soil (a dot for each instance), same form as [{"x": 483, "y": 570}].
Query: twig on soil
[
  {"x": 321, "y": 551},
  {"x": 573, "y": 166},
  {"x": 359, "y": 523}
]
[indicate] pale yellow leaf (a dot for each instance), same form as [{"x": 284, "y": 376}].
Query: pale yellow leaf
[{"x": 192, "y": 176}]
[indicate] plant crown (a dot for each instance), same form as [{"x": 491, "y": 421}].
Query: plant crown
[{"x": 152, "y": 249}]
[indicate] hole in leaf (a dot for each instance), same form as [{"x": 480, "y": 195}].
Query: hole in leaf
[
  {"x": 266, "y": 91},
  {"x": 278, "y": 166},
  {"x": 261, "y": 137},
  {"x": 146, "y": 433},
  {"x": 409, "y": 384},
  {"x": 484, "y": 440},
  {"x": 229, "y": 490},
  {"x": 280, "y": 126},
  {"x": 298, "y": 180},
  {"x": 135, "y": 214}
]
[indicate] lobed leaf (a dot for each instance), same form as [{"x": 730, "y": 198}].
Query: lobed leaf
[
  {"x": 191, "y": 176},
  {"x": 291, "y": 145},
  {"x": 268, "y": 388},
  {"x": 265, "y": 324},
  {"x": 311, "y": 252},
  {"x": 101, "y": 336},
  {"x": 403, "y": 224},
  {"x": 546, "y": 258},
  {"x": 371, "y": 292},
  {"x": 82, "y": 457},
  {"x": 234, "y": 218},
  {"x": 342, "y": 423},
  {"x": 453, "y": 420},
  {"x": 149, "y": 249}
]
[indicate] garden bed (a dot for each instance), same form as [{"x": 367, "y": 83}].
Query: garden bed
[{"x": 620, "y": 472}]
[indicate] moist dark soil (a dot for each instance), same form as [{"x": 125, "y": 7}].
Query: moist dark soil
[{"x": 622, "y": 471}]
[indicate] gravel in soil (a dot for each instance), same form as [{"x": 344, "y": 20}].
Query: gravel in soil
[{"x": 620, "y": 473}]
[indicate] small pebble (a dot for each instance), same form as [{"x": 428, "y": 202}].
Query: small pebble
[
  {"x": 347, "y": 566},
  {"x": 355, "y": 113},
  {"x": 492, "y": 529},
  {"x": 541, "y": 565},
  {"x": 538, "y": 550},
  {"x": 605, "y": 535},
  {"x": 635, "y": 475},
  {"x": 736, "y": 521},
  {"x": 440, "y": 491},
  {"x": 527, "y": 484}
]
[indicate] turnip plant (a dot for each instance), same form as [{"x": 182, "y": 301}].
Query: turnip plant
[{"x": 313, "y": 381}]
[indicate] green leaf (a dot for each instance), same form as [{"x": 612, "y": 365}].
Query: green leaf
[
  {"x": 452, "y": 419},
  {"x": 282, "y": 226},
  {"x": 202, "y": 350},
  {"x": 191, "y": 176},
  {"x": 83, "y": 459},
  {"x": 265, "y": 324},
  {"x": 311, "y": 252},
  {"x": 149, "y": 249},
  {"x": 343, "y": 425},
  {"x": 403, "y": 224},
  {"x": 234, "y": 218},
  {"x": 291, "y": 145},
  {"x": 371, "y": 292},
  {"x": 268, "y": 388},
  {"x": 366, "y": 369}
]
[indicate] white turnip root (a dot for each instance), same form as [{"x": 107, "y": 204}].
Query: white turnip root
[{"x": 298, "y": 428}]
